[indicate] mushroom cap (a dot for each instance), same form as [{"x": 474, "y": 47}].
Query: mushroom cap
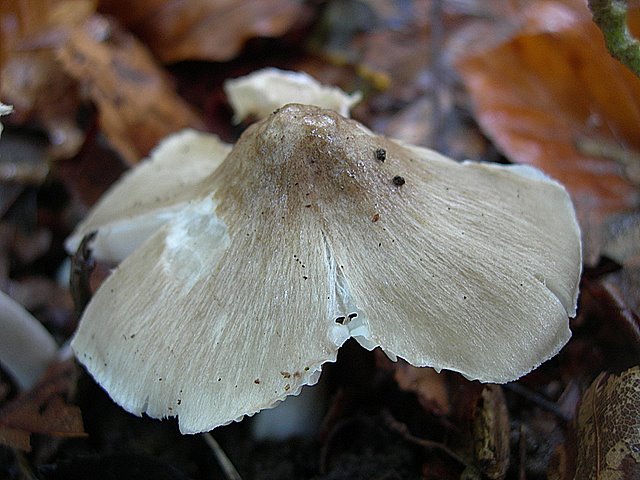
[
  {"x": 307, "y": 235},
  {"x": 260, "y": 93},
  {"x": 147, "y": 196}
]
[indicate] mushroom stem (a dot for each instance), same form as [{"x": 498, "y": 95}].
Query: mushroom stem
[
  {"x": 26, "y": 347},
  {"x": 227, "y": 466}
]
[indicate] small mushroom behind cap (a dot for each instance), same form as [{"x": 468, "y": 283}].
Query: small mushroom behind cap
[
  {"x": 470, "y": 267},
  {"x": 260, "y": 93}
]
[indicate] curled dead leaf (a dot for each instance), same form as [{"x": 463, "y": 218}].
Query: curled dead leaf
[{"x": 609, "y": 428}]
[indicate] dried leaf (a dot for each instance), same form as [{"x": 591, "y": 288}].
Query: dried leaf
[
  {"x": 137, "y": 104},
  {"x": 542, "y": 93},
  {"x": 43, "y": 410},
  {"x": 203, "y": 29},
  {"x": 609, "y": 428},
  {"x": 30, "y": 76},
  {"x": 491, "y": 433}
]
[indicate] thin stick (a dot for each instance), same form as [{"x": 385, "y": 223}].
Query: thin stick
[
  {"x": 402, "y": 429},
  {"x": 228, "y": 468},
  {"x": 539, "y": 400},
  {"x": 611, "y": 18}
]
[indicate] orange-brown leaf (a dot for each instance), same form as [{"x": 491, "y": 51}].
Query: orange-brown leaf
[
  {"x": 203, "y": 29},
  {"x": 543, "y": 95}
]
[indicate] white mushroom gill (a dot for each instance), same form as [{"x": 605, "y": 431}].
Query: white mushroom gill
[
  {"x": 313, "y": 230},
  {"x": 149, "y": 195}
]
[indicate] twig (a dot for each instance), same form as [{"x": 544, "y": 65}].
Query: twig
[
  {"x": 82, "y": 264},
  {"x": 611, "y": 18},
  {"x": 522, "y": 454},
  {"x": 402, "y": 429},
  {"x": 228, "y": 468},
  {"x": 539, "y": 400}
]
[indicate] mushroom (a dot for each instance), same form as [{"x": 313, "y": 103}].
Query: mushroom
[
  {"x": 261, "y": 92},
  {"x": 139, "y": 203},
  {"x": 26, "y": 347},
  {"x": 305, "y": 236}
]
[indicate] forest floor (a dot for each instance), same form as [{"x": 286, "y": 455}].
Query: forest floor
[{"x": 95, "y": 85}]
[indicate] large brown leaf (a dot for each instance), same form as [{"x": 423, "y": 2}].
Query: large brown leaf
[
  {"x": 546, "y": 95},
  {"x": 203, "y": 29}
]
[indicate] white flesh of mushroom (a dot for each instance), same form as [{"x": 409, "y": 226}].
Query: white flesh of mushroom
[
  {"x": 261, "y": 92},
  {"x": 304, "y": 237},
  {"x": 147, "y": 196}
]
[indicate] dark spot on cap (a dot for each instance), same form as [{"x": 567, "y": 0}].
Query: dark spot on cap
[
  {"x": 340, "y": 320},
  {"x": 381, "y": 154},
  {"x": 398, "y": 180},
  {"x": 257, "y": 381},
  {"x": 376, "y": 217}
]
